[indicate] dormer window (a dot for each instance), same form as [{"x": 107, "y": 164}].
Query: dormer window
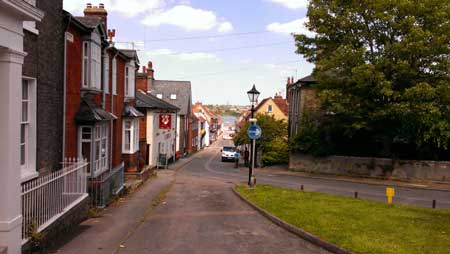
[
  {"x": 173, "y": 96},
  {"x": 91, "y": 65},
  {"x": 269, "y": 108}
]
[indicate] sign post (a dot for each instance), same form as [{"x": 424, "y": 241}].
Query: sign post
[{"x": 254, "y": 132}]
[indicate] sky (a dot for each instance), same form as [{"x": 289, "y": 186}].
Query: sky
[{"x": 222, "y": 46}]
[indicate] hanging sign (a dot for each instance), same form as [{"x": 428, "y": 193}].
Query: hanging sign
[{"x": 165, "y": 121}]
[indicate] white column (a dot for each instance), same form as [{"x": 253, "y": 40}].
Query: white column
[{"x": 10, "y": 104}]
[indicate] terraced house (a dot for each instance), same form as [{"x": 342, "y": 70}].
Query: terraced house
[{"x": 101, "y": 122}]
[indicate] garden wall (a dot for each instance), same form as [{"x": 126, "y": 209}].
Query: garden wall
[{"x": 372, "y": 167}]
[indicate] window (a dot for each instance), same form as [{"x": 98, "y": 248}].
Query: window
[
  {"x": 114, "y": 76},
  {"x": 106, "y": 73},
  {"x": 269, "y": 108},
  {"x": 27, "y": 141},
  {"x": 173, "y": 96},
  {"x": 130, "y": 136},
  {"x": 91, "y": 65},
  {"x": 159, "y": 96},
  {"x": 94, "y": 147},
  {"x": 129, "y": 81}
]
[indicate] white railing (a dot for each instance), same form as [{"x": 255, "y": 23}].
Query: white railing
[{"x": 47, "y": 198}]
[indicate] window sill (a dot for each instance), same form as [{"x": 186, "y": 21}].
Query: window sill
[
  {"x": 27, "y": 175},
  {"x": 90, "y": 89},
  {"x": 130, "y": 152}
]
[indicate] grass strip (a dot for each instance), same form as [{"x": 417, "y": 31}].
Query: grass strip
[{"x": 362, "y": 226}]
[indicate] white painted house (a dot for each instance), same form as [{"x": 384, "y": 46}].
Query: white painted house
[{"x": 13, "y": 14}]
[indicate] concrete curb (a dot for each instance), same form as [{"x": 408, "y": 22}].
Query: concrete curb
[{"x": 296, "y": 231}]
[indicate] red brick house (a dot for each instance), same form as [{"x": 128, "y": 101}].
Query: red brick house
[{"x": 101, "y": 123}]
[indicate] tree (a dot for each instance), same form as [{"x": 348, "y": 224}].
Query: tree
[
  {"x": 383, "y": 68},
  {"x": 273, "y": 141}
]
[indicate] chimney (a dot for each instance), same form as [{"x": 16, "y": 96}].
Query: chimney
[
  {"x": 98, "y": 12},
  {"x": 150, "y": 76}
]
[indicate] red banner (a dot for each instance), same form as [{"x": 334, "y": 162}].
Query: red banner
[{"x": 165, "y": 121}]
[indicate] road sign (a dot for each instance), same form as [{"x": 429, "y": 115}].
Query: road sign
[{"x": 254, "y": 132}]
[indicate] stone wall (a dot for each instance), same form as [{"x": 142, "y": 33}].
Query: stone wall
[
  {"x": 372, "y": 167},
  {"x": 66, "y": 223}
]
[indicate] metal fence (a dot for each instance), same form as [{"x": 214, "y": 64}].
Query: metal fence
[
  {"x": 47, "y": 198},
  {"x": 106, "y": 187}
]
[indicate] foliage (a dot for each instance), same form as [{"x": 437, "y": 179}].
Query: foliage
[
  {"x": 276, "y": 152},
  {"x": 273, "y": 141},
  {"x": 361, "y": 226},
  {"x": 383, "y": 70}
]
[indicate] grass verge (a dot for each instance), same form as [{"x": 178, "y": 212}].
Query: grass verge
[{"x": 362, "y": 226}]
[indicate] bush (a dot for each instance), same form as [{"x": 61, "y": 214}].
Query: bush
[{"x": 276, "y": 152}]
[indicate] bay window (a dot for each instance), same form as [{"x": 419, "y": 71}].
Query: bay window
[
  {"x": 130, "y": 142},
  {"x": 94, "y": 147},
  {"x": 91, "y": 66},
  {"x": 114, "y": 76},
  {"x": 106, "y": 73},
  {"x": 129, "y": 81}
]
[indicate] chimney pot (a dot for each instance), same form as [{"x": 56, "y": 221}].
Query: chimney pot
[
  {"x": 101, "y": 6},
  {"x": 144, "y": 69},
  {"x": 150, "y": 65}
]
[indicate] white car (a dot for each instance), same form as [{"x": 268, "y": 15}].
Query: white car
[{"x": 228, "y": 153}]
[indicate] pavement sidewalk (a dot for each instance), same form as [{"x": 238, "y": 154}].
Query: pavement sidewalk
[
  {"x": 104, "y": 234},
  {"x": 425, "y": 185}
]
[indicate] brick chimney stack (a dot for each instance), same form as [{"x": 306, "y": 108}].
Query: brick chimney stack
[
  {"x": 97, "y": 11},
  {"x": 150, "y": 76}
]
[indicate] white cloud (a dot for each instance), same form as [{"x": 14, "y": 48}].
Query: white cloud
[
  {"x": 182, "y": 56},
  {"x": 225, "y": 27},
  {"x": 128, "y": 8},
  {"x": 294, "y": 27},
  {"x": 188, "y": 18},
  {"x": 292, "y": 4}
]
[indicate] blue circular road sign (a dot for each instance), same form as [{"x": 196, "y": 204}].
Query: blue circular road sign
[{"x": 254, "y": 132}]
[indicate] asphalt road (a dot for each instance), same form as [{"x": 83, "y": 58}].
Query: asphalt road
[
  {"x": 215, "y": 169},
  {"x": 202, "y": 215}
]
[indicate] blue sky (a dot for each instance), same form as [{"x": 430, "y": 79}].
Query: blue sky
[{"x": 223, "y": 63}]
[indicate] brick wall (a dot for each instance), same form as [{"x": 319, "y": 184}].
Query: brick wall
[{"x": 45, "y": 61}]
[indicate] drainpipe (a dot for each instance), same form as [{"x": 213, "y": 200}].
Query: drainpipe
[
  {"x": 64, "y": 90},
  {"x": 112, "y": 111}
]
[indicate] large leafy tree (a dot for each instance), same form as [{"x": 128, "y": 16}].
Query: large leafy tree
[{"x": 383, "y": 68}]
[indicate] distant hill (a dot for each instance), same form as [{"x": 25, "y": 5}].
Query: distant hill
[{"x": 227, "y": 110}]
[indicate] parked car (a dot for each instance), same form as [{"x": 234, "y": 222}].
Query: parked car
[{"x": 228, "y": 153}]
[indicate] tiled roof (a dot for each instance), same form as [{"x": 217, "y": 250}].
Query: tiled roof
[
  {"x": 282, "y": 104},
  {"x": 90, "y": 22},
  {"x": 307, "y": 79},
  {"x": 149, "y": 101},
  {"x": 89, "y": 113},
  {"x": 182, "y": 89}
]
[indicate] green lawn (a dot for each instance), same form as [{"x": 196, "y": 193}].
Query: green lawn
[{"x": 364, "y": 227}]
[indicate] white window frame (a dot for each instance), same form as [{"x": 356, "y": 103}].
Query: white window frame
[
  {"x": 85, "y": 73},
  {"x": 114, "y": 76},
  {"x": 270, "y": 108},
  {"x": 99, "y": 147},
  {"x": 173, "y": 96},
  {"x": 134, "y": 136},
  {"x": 27, "y": 139},
  {"x": 106, "y": 73},
  {"x": 92, "y": 63},
  {"x": 130, "y": 81}
]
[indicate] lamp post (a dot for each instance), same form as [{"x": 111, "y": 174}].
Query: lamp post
[{"x": 253, "y": 95}]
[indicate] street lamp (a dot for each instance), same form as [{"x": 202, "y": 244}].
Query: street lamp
[{"x": 253, "y": 95}]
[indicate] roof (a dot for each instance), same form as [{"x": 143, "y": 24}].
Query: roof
[
  {"x": 130, "y": 111},
  {"x": 89, "y": 21},
  {"x": 282, "y": 104},
  {"x": 130, "y": 53},
  {"x": 89, "y": 113},
  {"x": 181, "y": 88},
  {"x": 306, "y": 80},
  {"x": 149, "y": 101}
]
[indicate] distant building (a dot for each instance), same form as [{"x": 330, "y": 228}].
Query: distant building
[
  {"x": 214, "y": 121},
  {"x": 301, "y": 97}
]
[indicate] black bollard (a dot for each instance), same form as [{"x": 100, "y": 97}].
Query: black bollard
[
  {"x": 301, "y": 187},
  {"x": 434, "y": 204},
  {"x": 356, "y": 194}
]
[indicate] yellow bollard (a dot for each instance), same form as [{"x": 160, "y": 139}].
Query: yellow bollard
[{"x": 390, "y": 193}]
